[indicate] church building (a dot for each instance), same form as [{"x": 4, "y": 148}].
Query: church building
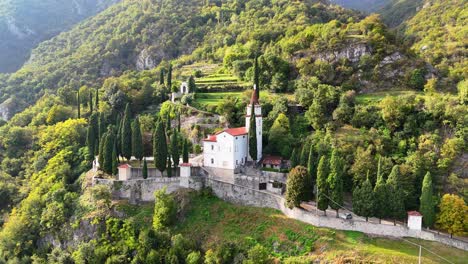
[{"x": 229, "y": 148}]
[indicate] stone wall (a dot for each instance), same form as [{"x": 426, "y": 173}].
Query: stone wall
[{"x": 250, "y": 197}]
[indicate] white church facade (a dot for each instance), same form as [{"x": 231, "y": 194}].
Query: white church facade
[
  {"x": 184, "y": 89},
  {"x": 229, "y": 149}
]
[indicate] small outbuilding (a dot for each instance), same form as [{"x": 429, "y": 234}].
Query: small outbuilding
[
  {"x": 414, "y": 220},
  {"x": 125, "y": 172}
]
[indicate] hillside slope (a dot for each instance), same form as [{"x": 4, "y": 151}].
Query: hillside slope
[
  {"x": 362, "y": 5},
  {"x": 398, "y": 11},
  {"x": 26, "y": 23},
  {"x": 309, "y": 38}
]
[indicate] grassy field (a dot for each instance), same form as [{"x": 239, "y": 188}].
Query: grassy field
[
  {"x": 373, "y": 98},
  {"x": 215, "y": 98},
  {"x": 213, "y": 222}
]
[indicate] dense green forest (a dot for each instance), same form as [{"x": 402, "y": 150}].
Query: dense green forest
[
  {"x": 26, "y": 23},
  {"x": 384, "y": 125},
  {"x": 363, "y": 5}
]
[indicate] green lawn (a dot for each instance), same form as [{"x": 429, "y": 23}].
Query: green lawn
[
  {"x": 375, "y": 97},
  {"x": 212, "y": 222}
]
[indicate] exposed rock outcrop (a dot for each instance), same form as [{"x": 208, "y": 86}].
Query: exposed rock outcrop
[{"x": 145, "y": 61}]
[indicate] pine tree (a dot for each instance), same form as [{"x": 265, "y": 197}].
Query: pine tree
[
  {"x": 185, "y": 156},
  {"x": 363, "y": 199},
  {"x": 381, "y": 202},
  {"x": 145, "y": 169},
  {"x": 253, "y": 135},
  {"x": 335, "y": 181},
  {"x": 137, "y": 140},
  {"x": 78, "y": 104},
  {"x": 108, "y": 151},
  {"x": 322, "y": 186},
  {"x": 115, "y": 161},
  {"x": 427, "y": 205},
  {"x": 161, "y": 77},
  {"x": 169, "y": 77},
  {"x": 397, "y": 205},
  {"x": 175, "y": 148},
  {"x": 294, "y": 158},
  {"x": 160, "y": 147},
  {"x": 126, "y": 140},
  {"x": 90, "y": 102}
]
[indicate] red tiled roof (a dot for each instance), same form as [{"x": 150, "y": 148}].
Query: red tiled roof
[
  {"x": 124, "y": 166},
  {"x": 272, "y": 160},
  {"x": 210, "y": 138},
  {"x": 186, "y": 165},
  {"x": 238, "y": 131},
  {"x": 414, "y": 213}
]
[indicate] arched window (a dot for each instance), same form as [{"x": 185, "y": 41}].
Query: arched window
[
  {"x": 212, "y": 161},
  {"x": 212, "y": 147}
]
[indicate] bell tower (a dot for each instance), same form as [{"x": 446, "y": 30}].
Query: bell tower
[{"x": 258, "y": 119}]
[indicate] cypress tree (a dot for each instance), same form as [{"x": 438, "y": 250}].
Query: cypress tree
[
  {"x": 78, "y": 102},
  {"x": 115, "y": 161},
  {"x": 169, "y": 77},
  {"x": 381, "y": 202},
  {"x": 169, "y": 166},
  {"x": 311, "y": 173},
  {"x": 294, "y": 158},
  {"x": 96, "y": 103},
  {"x": 137, "y": 140},
  {"x": 253, "y": 135},
  {"x": 335, "y": 181},
  {"x": 90, "y": 102},
  {"x": 101, "y": 151},
  {"x": 426, "y": 207},
  {"x": 363, "y": 199},
  {"x": 192, "y": 86},
  {"x": 160, "y": 147},
  {"x": 304, "y": 155},
  {"x": 185, "y": 156},
  {"x": 118, "y": 136},
  {"x": 161, "y": 77},
  {"x": 126, "y": 140},
  {"x": 145, "y": 169},
  {"x": 168, "y": 123},
  {"x": 175, "y": 148},
  {"x": 397, "y": 205},
  {"x": 322, "y": 186},
  {"x": 257, "y": 77},
  {"x": 102, "y": 125},
  {"x": 91, "y": 136},
  {"x": 295, "y": 187},
  {"x": 178, "y": 122},
  {"x": 108, "y": 151}
]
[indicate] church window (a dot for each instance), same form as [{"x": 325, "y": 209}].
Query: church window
[
  {"x": 212, "y": 161},
  {"x": 212, "y": 147}
]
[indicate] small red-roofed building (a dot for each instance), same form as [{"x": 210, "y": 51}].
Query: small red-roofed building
[
  {"x": 229, "y": 149},
  {"x": 125, "y": 172},
  {"x": 414, "y": 220}
]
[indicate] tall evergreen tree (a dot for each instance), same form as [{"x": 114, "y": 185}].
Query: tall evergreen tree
[
  {"x": 118, "y": 135},
  {"x": 322, "y": 186},
  {"x": 175, "y": 153},
  {"x": 335, "y": 181},
  {"x": 102, "y": 142},
  {"x": 126, "y": 140},
  {"x": 161, "y": 77},
  {"x": 178, "y": 122},
  {"x": 102, "y": 124},
  {"x": 168, "y": 123},
  {"x": 137, "y": 140},
  {"x": 145, "y": 169},
  {"x": 169, "y": 77},
  {"x": 397, "y": 205},
  {"x": 108, "y": 151},
  {"x": 169, "y": 166},
  {"x": 160, "y": 147},
  {"x": 304, "y": 155},
  {"x": 91, "y": 136},
  {"x": 253, "y": 135},
  {"x": 294, "y": 158},
  {"x": 363, "y": 199},
  {"x": 295, "y": 186},
  {"x": 115, "y": 161},
  {"x": 96, "y": 101},
  {"x": 185, "y": 156},
  {"x": 311, "y": 173},
  {"x": 381, "y": 202},
  {"x": 78, "y": 104},
  {"x": 90, "y": 102},
  {"x": 257, "y": 77},
  {"x": 427, "y": 204},
  {"x": 192, "y": 86}
]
